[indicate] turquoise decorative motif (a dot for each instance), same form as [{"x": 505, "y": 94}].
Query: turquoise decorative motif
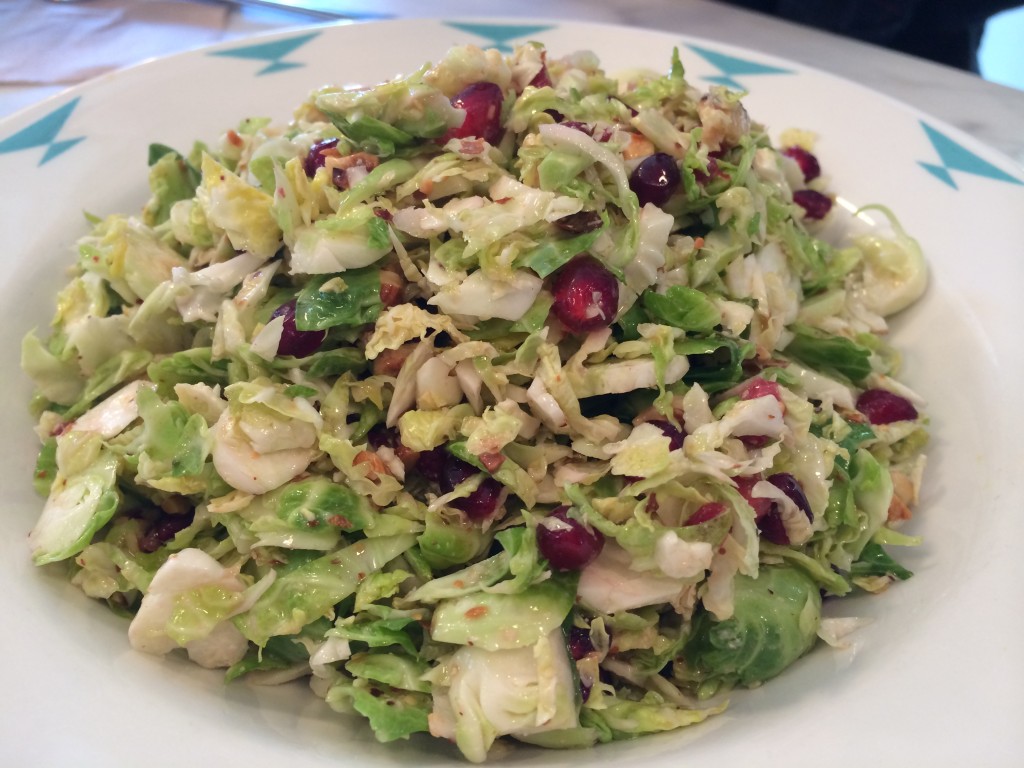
[
  {"x": 43, "y": 133},
  {"x": 500, "y": 35},
  {"x": 273, "y": 52},
  {"x": 955, "y": 158},
  {"x": 732, "y": 67}
]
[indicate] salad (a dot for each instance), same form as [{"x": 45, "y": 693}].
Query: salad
[{"x": 503, "y": 399}]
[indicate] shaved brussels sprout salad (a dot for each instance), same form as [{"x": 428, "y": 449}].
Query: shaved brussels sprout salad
[{"x": 505, "y": 399}]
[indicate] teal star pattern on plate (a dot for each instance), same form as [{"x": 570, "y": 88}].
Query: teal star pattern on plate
[
  {"x": 955, "y": 158},
  {"x": 272, "y": 52},
  {"x": 500, "y": 35},
  {"x": 732, "y": 67},
  {"x": 43, "y": 133}
]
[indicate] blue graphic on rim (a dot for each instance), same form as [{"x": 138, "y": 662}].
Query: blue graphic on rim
[
  {"x": 732, "y": 67},
  {"x": 273, "y": 52},
  {"x": 43, "y": 133},
  {"x": 500, "y": 35},
  {"x": 955, "y": 158}
]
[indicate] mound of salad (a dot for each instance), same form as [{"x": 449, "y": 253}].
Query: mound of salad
[{"x": 504, "y": 399}]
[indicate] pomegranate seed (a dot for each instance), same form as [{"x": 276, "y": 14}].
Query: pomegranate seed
[
  {"x": 815, "y": 204},
  {"x": 713, "y": 171},
  {"x": 766, "y": 511},
  {"x": 808, "y": 163},
  {"x": 294, "y": 342},
  {"x": 758, "y": 387},
  {"x": 706, "y": 512},
  {"x": 571, "y": 546},
  {"x": 746, "y": 485},
  {"x": 674, "y": 434},
  {"x": 579, "y": 223},
  {"x": 379, "y": 436},
  {"x": 703, "y": 177},
  {"x": 790, "y": 486},
  {"x": 339, "y": 178},
  {"x": 772, "y": 528},
  {"x": 542, "y": 79},
  {"x": 482, "y": 103},
  {"x": 163, "y": 530},
  {"x": 579, "y": 643},
  {"x": 431, "y": 463},
  {"x": 884, "y": 407},
  {"x": 586, "y": 295},
  {"x": 453, "y": 472},
  {"x": 655, "y": 179},
  {"x": 480, "y": 503},
  {"x": 755, "y": 441},
  {"x": 652, "y": 507},
  {"x": 318, "y": 155}
]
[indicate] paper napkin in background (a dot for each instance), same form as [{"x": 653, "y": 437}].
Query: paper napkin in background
[{"x": 35, "y": 35}]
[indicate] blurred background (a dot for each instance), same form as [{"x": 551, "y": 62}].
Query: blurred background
[
  {"x": 982, "y": 36},
  {"x": 1001, "y": 57}
]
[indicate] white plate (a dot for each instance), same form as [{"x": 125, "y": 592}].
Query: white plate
[{"x": 937, "y": 679}]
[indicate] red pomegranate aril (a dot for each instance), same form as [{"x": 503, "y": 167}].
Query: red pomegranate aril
[
  {"x": 586, "y": 295},
  {"x": 758, "y": 387},
  {"x": 790, "y": 486},
  {"x": 294, "y": 342},
  {"x": 579, "y": 643},
  {"x": 655, "y": 179},
  {"x": 381, "y": 436},
  {"x": 745, "y": 485},
  {"x": 482, "y": 502},
  {"x": 482, "y": 103},
  {"x": 675, "y": 435},
  {"x": 579, "y": 223},
  {"x": 318, "y": 154},
  {"x": 431, "y": 463},
  {"x": 884, "y": 407},
  {"x": 453, "y": 472},
  {"x": 339, "y": 178},
  {"x": 542, "y": 79},
  {"x": 703, "y": 177},
  {"x": 652, "y": 506},
  {"x": 754, "y": 441},
  {"x": 163, "y": 530},
  {"x": 570, "y": 544},
  {"x": 706, "y": 512},
  {"x": 815, "y": 205},
  {"x": 808, "y": 163},
  {"x": 772, "y": 528},
  {"x": 714, "y": 170},
  {"x": 766, "y": 512}
]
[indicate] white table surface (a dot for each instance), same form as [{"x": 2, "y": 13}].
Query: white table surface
[{"x": 991, "y": 113}]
